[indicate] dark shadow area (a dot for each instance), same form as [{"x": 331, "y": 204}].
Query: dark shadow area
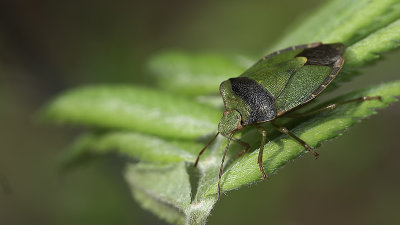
[{"x": 194, "y": 175}]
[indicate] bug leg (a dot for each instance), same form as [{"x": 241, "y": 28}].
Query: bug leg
[
  {"x": 286, "y": 131},
  {"x": 202, "y": 150},
  {"x": 260, "y": 153},
  {"x": 244, "y": 144},
  {"x": 335, "y": 105},
  {"x": 221, "y": 168}
]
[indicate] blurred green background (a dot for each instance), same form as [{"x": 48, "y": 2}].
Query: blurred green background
[{"x": 47, "y": 47}]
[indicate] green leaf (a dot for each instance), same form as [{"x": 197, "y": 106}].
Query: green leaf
[
  {"x": 163, "y": 189},
  {"x": 320, "y": 128},
  {"x": 342, "y": 21},
  {"x": 193, "y": 74},
  {"x": 134, "y": 108},
  {"x": 133, "y": 145},
  {"x": 158, "y": 208},
  {"x": 369, "y": 48}
]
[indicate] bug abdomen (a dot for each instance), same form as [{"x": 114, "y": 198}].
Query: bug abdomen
[{"x": 261, "y": 102}]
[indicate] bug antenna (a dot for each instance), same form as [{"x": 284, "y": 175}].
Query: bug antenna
[
  {"x": 205, "y": 147},
  {"x": 221, "y": 168}
]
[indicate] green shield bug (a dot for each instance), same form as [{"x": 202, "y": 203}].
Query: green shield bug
[{"x": 278, "y": 83}]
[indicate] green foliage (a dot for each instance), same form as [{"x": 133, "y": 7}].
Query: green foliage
[
  {"x": 165, "y": 130},
  {"x": 133, "y": 108},
  {"x": 132, "y": 144},
  {"x": 164, "y": 189},
  {"x": 369, "y": 48},
  {"x": 342, "y": 21}
]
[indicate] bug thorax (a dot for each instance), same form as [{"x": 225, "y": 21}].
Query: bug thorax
[
  {"x": 245, "y": 95},
  {"x": 230, "y": 122}
]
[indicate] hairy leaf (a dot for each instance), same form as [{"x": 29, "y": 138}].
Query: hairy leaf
[
  {"x": 133, "y": 145},
  {"x": 345, "y": 21},
  {"x": 159, "y": 208},
  {"x": 134, "y": 108},
  {"x": 162, "y": 189},
  {"x": 369, "y": 48}
]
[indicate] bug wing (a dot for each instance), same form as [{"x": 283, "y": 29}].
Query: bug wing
[
  {"x": 323, "y": 64},
  {"x": 274, "y": 71}
]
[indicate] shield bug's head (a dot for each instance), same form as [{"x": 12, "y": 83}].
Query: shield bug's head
[{"x": 230, "y": 122}]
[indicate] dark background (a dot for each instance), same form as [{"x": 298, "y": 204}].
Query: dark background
[{"x": 50, "y": 46}]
